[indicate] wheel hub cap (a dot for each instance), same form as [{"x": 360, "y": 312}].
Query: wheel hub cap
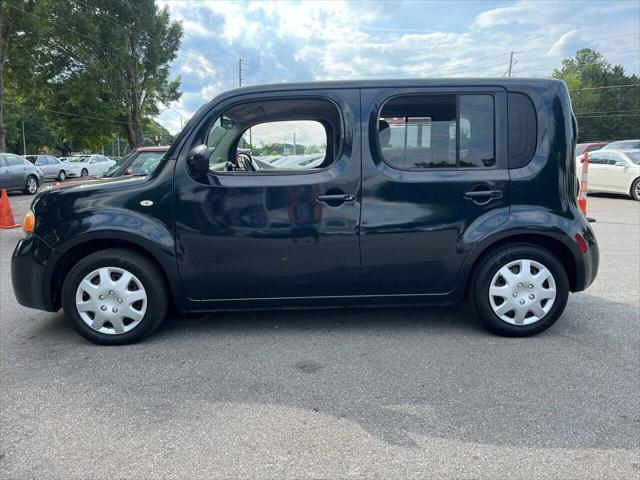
[
  {"x": 522, "y": 292},
  {"x": 111, "y": 300}
]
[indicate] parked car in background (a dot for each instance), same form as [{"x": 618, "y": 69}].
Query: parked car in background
[
  {"x": 51, "y": 167},
  {"x": 141, "y": 161},
  {"x": 623, "y": 145},
  {"x": 85, "y": 165},
  {"x": 16, "y": 173},
  {"x": 614, "y": 171},
  {"x": 588, "y": 147}
]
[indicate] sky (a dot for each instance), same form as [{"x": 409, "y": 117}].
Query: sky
[{"x": 335, "y": 40}]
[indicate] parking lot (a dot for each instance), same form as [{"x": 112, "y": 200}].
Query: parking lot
[{"x": 375, "y": 393}]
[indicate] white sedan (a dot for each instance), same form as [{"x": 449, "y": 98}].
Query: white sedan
[
  {"x": 85, "y": 165},
  {"x": 614, "y": 171}
]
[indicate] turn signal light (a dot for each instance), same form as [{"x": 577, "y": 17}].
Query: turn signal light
[
  {"x": 581, "y": 243},
  {"x": 29, "y": 222}
]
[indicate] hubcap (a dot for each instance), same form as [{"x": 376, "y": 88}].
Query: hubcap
[
  {"x": 522, "y": 292},
  {"x": 32, "y": 185},
  {"x": 638, "y": 190},
  {"x": 62, "y": 176},
  {"x": 111, "y": 300}
]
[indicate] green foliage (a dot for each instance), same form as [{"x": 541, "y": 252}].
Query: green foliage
[
  {"x": 86, "y": 68},
  {"x": 602, "y": 113},
  {"x": 280, "y": 148}
]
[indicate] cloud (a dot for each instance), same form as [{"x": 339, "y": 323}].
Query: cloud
[{"x": 317, "y": 40}]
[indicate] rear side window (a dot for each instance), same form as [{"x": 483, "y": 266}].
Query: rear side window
[
  {"x": 438, "y": 131},
  {"x": 523, "y": 130}
]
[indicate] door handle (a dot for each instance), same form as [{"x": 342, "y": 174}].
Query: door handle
[
  {"x": 336, "y": 199},
  {"x": 482, "y": 197}
]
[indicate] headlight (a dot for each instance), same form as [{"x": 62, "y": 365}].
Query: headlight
[{"x": 29, "y": 222}]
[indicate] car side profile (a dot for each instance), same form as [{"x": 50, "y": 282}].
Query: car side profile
[
  {"x": 614, "y": 171},
  {"x": 16, "y": 173},
  {"x": 51, "y": 167},
  {"x": 369, "y": 193}
]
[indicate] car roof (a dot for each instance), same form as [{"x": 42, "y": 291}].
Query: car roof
[{"x": 162, "y": 148}]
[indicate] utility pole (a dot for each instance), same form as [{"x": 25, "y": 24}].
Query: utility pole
[
  {"x": 240, "y": 72},
  {"x": 511, "y": 64},
  {"x": 294, "y": 143},
  {"x": 24, "y": 141}
]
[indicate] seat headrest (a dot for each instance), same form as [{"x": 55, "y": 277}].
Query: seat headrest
[{"x": 384, "y": 133}]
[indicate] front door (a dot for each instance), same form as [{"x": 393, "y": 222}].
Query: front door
[
  {"x": 278, "y": 213},
  {"x": 434, "y": 168}
]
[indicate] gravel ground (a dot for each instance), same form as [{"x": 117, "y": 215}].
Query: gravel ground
[{"x": 380, "y": 393}]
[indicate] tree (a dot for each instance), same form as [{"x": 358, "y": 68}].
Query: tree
[
  {"x": 605, "y": 105},
  {"x": 127, "y": 51},
  {"x": 16, "y": 45}
]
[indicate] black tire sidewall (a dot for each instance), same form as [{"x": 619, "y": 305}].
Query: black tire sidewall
[
  {"x": 26, "y": 187},
  {"x": 633, "y": 189},
  {"x": 144, "y": 270},
  {"x": 496, "y": 261},
  {"x": 84, "y": 172}
]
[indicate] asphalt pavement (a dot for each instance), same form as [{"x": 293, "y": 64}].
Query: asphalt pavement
[{"x": 357, "y": 393}]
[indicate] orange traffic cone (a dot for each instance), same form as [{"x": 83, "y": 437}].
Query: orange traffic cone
[
  {"x": 582, "y": 195},
  {"x": 6, "y": 217}
]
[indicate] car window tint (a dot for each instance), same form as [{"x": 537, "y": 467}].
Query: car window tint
[
  {"x": 14, "y": 160},
  {"x": 421, "y": 132},
  {"x": 3, "y": 160}
]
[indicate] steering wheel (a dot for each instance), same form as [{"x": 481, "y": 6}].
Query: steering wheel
[{"x": 244, "y": 162}]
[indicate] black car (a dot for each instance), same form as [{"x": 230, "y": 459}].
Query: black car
[{"x": 424, "y": 192}]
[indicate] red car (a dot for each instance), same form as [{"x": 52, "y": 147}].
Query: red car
[{"x": 141, "y": 161}]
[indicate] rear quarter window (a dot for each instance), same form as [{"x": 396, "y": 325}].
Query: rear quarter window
[{"x": 523, "y": 130}]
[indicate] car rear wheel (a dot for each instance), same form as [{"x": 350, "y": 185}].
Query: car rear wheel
[
  {"x": 62, "y": 175},
  {"x": 31, "y": 186},
  {"x": 635, "y": 190},
  {"x": 519, "y": 290},
  {"x": 114, "y": 297},
  {"x": 84, "y": 172}
]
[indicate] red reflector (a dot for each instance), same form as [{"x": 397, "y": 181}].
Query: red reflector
[{"x": 581, "y": 243}]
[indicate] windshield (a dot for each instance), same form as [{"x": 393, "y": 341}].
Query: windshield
[
  {"x": 78, "y": 159},
  {"x": 634, "y": 157},
  {"x": 580, "y": 148},
  {"x": 145, "y": 163},
  {"x": 114, "y": 168},
  {"x": 623, "y": 144}
]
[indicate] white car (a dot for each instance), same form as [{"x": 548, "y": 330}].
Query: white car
[
  {"x": 614, "y": 171},
  {"x": 85, "y": 165}
]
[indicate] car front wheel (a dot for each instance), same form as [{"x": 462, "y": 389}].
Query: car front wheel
[
  {"x": 519, "y": 290},
  {"x": 32, "y": 185},
  {"x": 62, "y": 175},
  {"x": 84, "y": 172},
  {"x": 114, "y": 297}
]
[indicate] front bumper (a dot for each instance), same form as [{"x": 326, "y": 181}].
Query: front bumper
[{"x": 31, "y": 266}]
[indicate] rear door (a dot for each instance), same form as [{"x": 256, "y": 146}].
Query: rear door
[
  {"x": 434, "y": 165},
  {"x": 597, "y": 171}
]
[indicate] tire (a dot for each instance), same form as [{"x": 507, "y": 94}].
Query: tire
[
  {"x": 527, "y": 295},
  {"x": 148, "y": 313},
  {"x": 62, "y": 175},
  {"x": 84, "y": 172},
  {"x": 635, "y": 189},
  {"x": 31, "y": 187}
]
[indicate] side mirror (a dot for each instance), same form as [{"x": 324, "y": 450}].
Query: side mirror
[
  {"x": 198, "y": 160},
  {"x": 621, "y": 164}
]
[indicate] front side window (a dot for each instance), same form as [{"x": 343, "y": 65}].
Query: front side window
[
  {"x": 14, "y": 160},
  {"x": 437, "y": 131},
  {"x": 272, "y": 136}
]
